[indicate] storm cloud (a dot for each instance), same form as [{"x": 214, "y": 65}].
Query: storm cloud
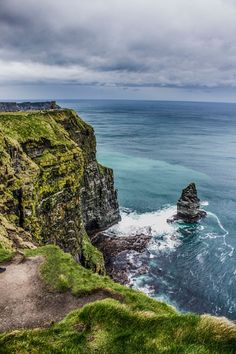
[{"x": 128, "y": 43}]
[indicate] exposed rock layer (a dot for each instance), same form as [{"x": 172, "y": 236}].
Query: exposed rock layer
[
  {"x": 51, "y": 185},
  {"x": 188, "y": 206}
]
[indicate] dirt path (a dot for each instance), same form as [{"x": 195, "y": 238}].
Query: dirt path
[{"x": 26, "y": 303}]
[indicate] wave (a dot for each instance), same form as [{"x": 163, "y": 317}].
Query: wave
[
  {"x": 214, "y": 216},
  {"x": 223, "y": 235},
  {"x": 164, "y": 235},
  {"x": 177, "y": 255},
  {"x": 151, "y": 223}
]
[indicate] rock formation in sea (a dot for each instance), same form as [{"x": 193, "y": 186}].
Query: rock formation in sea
[
  {"x": 52, "y": 188},
  {"x": 188, "y": 206}
]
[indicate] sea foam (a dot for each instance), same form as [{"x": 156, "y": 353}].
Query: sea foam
[
  {"x": 152, "y": 223},
  {"x": 164, "y": 235}
]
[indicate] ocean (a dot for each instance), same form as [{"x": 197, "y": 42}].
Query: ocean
[{"x": 157, "y": 148}]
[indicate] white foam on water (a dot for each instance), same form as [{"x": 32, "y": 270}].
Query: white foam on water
[
  {"x": 150, "y": 223},
  {"x": 168, "y": 243},
  {"x": 225, "y": 232},
  {"x": 164, "y": 234},
  {"x": 204, "y": 203},
  {"x": 165, "y": 239},
  {"x": 200, "y": 258},
  {"x": 140, "y": 283},
  {"x": 223, "y": 235}
]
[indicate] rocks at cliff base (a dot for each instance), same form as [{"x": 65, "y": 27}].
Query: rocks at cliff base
[
  {"x": 188, "y": 206},
  {"x": 28, "y": 106},
  {"x": 113, "y": 245},
  {"x": 121, "y": 254}
]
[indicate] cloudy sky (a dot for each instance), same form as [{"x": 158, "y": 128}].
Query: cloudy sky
[{"x": 134, "y": 49}]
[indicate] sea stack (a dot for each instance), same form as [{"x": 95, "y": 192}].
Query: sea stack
[{"x": 188, "y": 206}]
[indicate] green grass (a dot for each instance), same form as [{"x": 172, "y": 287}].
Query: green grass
[
  {"x": 136, "y": 324},
  {"x": 32, "y": 127},
  {"x": 92, "y": 257},
  {"x": 5, "y": 255},
  {"x": 61, "y": 272}
]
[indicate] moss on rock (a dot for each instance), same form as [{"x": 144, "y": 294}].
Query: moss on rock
[
  {"x": 50, "y": 181},
  {"x": 91, "y": 257}
]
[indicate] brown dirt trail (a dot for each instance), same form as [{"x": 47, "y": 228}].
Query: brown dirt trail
[{"x": 25, "y": 302}]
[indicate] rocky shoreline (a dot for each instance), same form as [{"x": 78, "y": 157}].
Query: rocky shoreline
[
  {"x": 122, "y": 253},
  {"x": 118, "y": 251}
]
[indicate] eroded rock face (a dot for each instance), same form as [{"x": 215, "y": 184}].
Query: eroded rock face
[
  {"x": 188, "y": 206},
  {"x": 51, "y": 184},
  {"x": 98, "y": 197}
]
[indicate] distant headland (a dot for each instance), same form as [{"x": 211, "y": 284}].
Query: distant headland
[{"x": 28, "y": 106}]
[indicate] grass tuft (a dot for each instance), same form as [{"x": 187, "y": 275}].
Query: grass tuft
[{"x": 5, "y": 255}]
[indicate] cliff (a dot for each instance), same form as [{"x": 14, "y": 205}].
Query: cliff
[
  {"x": 52, "y": 188},
  {"x": 27, "y": 106}
]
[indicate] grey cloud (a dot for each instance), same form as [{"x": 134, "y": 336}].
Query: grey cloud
[{"x": 131, "y": 43}]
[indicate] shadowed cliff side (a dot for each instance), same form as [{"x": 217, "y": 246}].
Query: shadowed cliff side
[{"x": 52, "y": 188}]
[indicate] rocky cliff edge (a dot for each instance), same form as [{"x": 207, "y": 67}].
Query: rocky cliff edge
[{"x": 52, "y": 189}]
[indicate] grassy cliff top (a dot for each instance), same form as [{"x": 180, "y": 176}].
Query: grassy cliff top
[
  {"x": 33, "y": 126},
  {"x": 132, "y": 324}
]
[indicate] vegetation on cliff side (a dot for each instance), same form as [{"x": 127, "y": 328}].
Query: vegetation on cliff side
[
  {"x": 48, "y": 194},
  {"x": 46, "y": 160},
  {"x": 131, "y": 323}
]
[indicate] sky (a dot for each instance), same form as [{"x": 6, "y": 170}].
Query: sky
[{"x": 118, "y": 49}]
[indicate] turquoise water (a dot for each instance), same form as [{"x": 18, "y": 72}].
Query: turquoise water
[{"x": 156, "y": 149}]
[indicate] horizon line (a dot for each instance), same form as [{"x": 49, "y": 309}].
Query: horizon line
[{"x": 109, "y": 99}]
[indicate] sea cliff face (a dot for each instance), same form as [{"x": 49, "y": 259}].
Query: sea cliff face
[{"x": 52, "y": 188}]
